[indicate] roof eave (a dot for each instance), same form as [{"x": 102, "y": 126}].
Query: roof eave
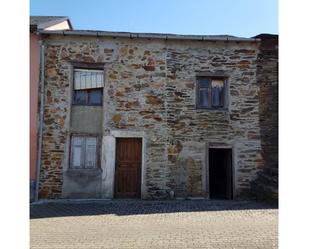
[{"x": 146, "y": 35}]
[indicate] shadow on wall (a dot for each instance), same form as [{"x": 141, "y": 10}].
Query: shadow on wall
[
  {"x": 138, "y": 207},
  {"x": 32, "y": 190}
]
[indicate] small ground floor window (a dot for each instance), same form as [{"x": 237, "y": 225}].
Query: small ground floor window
[{"x": 84, "y": 152}]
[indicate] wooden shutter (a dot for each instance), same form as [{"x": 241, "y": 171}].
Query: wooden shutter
[
  {"x": 77, "y": 152},
  {"x": 91, "y": 150},
  {"x": 88, "y": 78}
]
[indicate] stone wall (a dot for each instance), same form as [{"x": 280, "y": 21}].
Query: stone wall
[
  {"x": 268, "y": 80},
  {"x": 55, "y": 124},
  {"x": 266, "y": 184},
  {"x": 150, "y": 88},
  {"x": 238, "y": 125}
]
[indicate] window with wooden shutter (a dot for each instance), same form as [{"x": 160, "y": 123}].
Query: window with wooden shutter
[
  {"x": 83, "y": 152},
  {"x": 88, "y": 86}
]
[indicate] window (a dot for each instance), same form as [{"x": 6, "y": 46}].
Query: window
[
  {"x": 88, "y": 97},
  {"x": 83, "y": 152},
  {"x": 88, "y": 87},
  {"x": 211, "y": 92}
]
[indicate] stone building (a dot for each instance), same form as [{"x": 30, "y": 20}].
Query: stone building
[
  {"x": 38, "y": 23},
  {"x": 132, "y": 115},
  {"x": 265, "y": 186}
]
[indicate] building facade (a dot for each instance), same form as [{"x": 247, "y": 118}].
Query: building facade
[{"x": 150, "y": 116}]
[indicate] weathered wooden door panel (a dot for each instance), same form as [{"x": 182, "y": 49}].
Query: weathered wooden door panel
[{"x": 128, "y": 167}]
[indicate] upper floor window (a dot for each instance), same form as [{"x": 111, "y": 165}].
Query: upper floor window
[
  {"x": 88, "y": 87},
  {"x": 211, "y": 92}
]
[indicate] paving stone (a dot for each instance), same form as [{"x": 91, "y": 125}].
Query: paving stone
[{"x": 154, "y": 224}]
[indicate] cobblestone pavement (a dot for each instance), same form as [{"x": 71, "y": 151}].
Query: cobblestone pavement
[{"x": 153, "y": 224}]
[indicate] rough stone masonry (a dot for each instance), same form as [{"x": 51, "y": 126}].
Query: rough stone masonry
[{"x": 150, "y": 91}]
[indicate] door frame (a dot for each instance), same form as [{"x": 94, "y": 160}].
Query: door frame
[
  {"x": 131, "y": 134},
  {"x": 221, "y": 145}
]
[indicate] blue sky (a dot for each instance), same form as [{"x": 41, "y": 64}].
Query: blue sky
[{"x": 245, "y": 18}]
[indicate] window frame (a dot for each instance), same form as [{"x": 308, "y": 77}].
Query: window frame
[
  {"x": 224, "y": 97},
  {"x": 97, "y": 153},
  {"x": 89, "y": 66},
  {"x": 87, "y": 97}
]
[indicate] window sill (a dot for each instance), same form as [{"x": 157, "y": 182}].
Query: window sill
[
  {"x": 212, "y": 109},
  {"x": 99, "y": 105},
  {"x": 85, "y": 169},
  {"x": 75, "y": 173}
]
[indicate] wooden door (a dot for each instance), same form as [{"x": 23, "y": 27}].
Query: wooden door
[{"x": 128, "y": 167}]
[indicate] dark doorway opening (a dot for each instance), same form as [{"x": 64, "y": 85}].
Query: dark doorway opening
[{"x": 220, "y": 174}]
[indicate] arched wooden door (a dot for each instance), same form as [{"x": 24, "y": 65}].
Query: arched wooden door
[{"x": 128, "y": 168}]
